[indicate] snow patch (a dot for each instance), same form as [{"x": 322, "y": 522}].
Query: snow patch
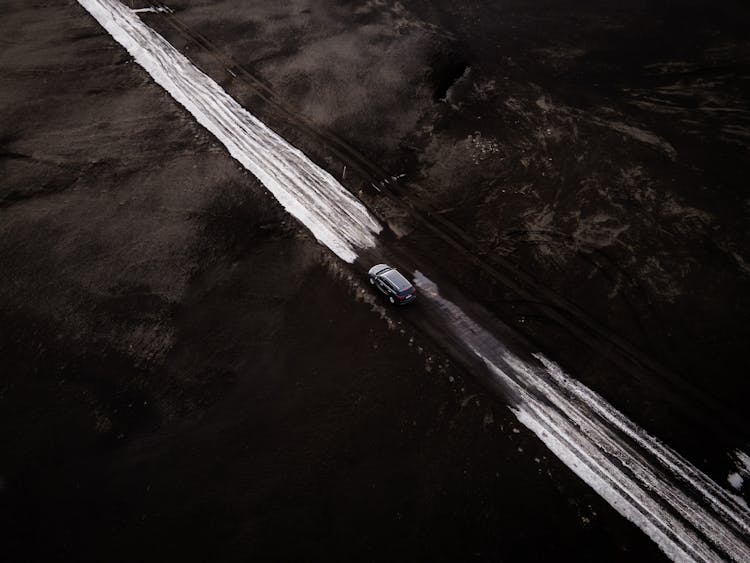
[
  {"x": 161, "y": 9},
  {"x": 735, "y": 479},
  {"x": 689, "y": 516},
  {"x": 310, "y": 194},
  {"x": 742, "y": 461}
]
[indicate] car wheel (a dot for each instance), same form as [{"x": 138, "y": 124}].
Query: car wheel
[
  {"x": 392, "y": 300},
  {"x": 372, "y": 281}
]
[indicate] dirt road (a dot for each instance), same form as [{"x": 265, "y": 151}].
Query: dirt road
[{"x": 191, "y": 395}]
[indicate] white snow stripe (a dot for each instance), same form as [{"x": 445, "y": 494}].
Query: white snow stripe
[
  {"x": 307, "y": 192},
  {"x": 732, "y": 507},
  {"x": 680, "y": 508},
  {"x": 662, "y": 485},
  {"x": 742, "y": 462}
]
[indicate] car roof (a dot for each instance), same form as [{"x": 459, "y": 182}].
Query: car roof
[{"x": 397, "y": 280}]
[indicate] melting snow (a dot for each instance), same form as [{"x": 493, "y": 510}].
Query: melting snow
[
  {"x": 742, "y": 460},
  {"x": 307, "y": 192},
  {"x": 689, "y": 516}
]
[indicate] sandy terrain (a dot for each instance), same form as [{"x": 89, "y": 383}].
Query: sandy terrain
[{"x": 189, "y": 374}]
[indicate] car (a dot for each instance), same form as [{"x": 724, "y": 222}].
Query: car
[{"x": 392, "y": 284}]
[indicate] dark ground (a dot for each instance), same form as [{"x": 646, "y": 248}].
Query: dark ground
[{"x": 161, "y": 400}]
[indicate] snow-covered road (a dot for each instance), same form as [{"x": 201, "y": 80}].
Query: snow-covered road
[{"x": 688, "y": 515}]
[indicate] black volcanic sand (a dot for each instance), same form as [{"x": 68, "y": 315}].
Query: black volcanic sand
[
  {"x": 596, "y": 152},
  {"x": 187, "y": 374}
]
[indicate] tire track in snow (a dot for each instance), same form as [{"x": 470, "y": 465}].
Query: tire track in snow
[
  {"x": 688, "y": 515},
  {"x": 310, "y": 194}
]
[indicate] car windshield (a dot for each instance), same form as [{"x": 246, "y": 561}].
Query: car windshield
[{"x": 399, "y": 282}]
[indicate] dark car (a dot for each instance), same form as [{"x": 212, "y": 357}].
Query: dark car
[{"x": 392, "y": 284}]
